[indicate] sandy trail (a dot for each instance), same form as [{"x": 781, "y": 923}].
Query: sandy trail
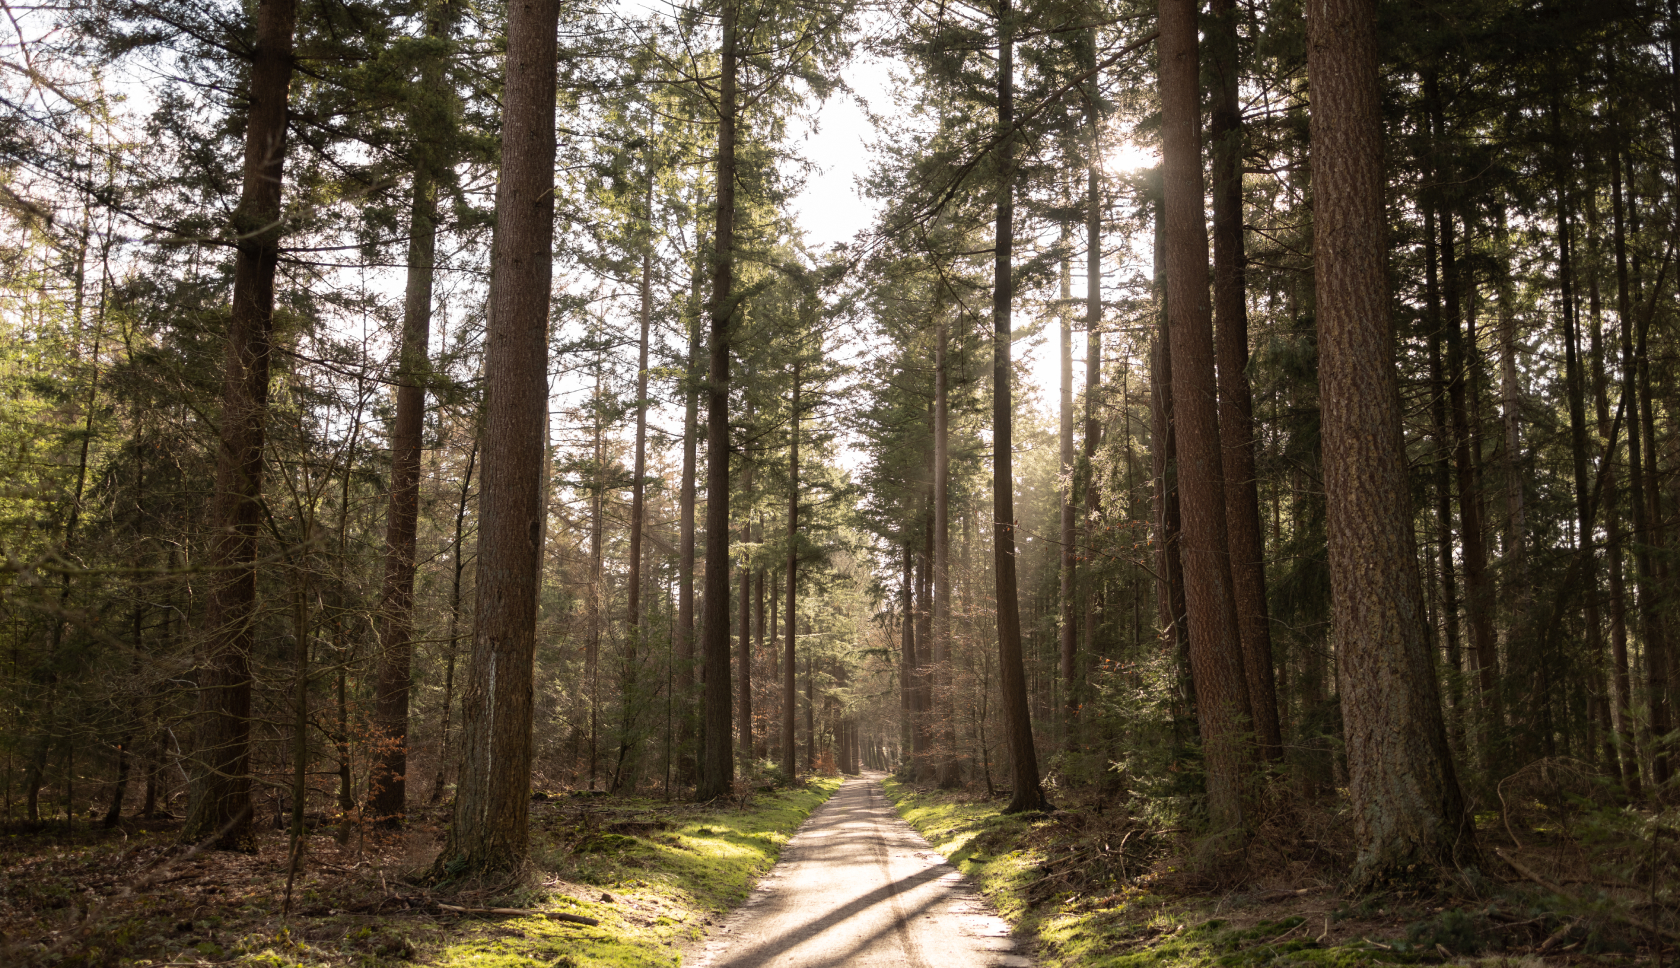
[{"x": 856, "y": 886}]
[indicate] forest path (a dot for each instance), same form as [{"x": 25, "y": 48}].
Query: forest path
[{"x": 856, "y": 886}]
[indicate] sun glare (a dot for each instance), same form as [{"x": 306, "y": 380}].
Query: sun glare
[{"x": 1129, "y": 156}]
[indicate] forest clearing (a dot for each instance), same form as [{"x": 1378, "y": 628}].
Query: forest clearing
[{"x": 1153, "y": 484}]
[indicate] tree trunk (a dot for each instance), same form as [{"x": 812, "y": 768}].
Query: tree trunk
[
  {"x": 685, "y": 556},
  {"x": 1169, "y": 564},
  {"x": 1441, "y": 478},
  {"x": 1656, "y": 665},
  {"x": 597, "y": 614},
  {"x": 907, "y": 663},
  {"x": 1408, "y": 810},
  {"x": 743, "y": 658},
  {"x": 1236, "y": 399},
  {"x": 1216, "y": 651},
  {"x": 220, "y": 814},
  {"x": 389, "y": 792},
  {"x": 948, "y": 774},
  {"x": 1027, "y": 794},
  {"x": 492, "y": 797},
  {"x": 638, "y": 486},
  {"x": 454, "y": 622},
  {"x": 717, "y": 767},
  {"x": 789, "y": 666},
  {"x": 1093, "y": 335},
  {"x": 1066, "y": 626}
]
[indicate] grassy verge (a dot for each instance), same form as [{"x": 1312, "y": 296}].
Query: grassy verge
[
  {"x": 654, "y": 873},
  {"x": 1056, "y": 880}
]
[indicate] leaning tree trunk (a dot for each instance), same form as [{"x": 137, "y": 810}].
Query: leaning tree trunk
[
  {"x": 389, "y": 792},
  {"x": 1216, "y": 648},
  {"x": 1236, "y": 399},
  {"x": 1023, "y": 756},
  {"x": 220, "y": 815},
  {"x": 492, "y": 795},
  {"x": 1409, "y": 816},
  {"x": 717, "y": 767}
]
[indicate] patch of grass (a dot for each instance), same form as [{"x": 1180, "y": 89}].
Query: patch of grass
[
  {"x": 655, "y": 873},
  {"x": 1013, "y": 861},
  {"x": 651, "y": 890}
]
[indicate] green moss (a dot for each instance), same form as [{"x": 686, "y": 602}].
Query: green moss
[
  {"x": 1128, "y": 929},
  {"x": 664, "y": 883}
]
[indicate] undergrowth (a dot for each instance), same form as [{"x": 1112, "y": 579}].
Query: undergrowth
[
  {"x": 654, "y": 874},
  {"x": 1106, "y": 893}
]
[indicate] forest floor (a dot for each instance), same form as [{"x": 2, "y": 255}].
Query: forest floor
[
  {"x": 1106, "y": 892},
  {"x": 654, "y": 874}
]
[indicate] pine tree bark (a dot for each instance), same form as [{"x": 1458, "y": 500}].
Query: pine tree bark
[
  {"x": 717, "y": 766},
  {"x": 489, "y": 831},
  {"x": 389, "y": 790},
  {"x": 1216, "y": 650},
  {"x": 1408, "y": 811},
  {"x": 1236, "y": 398},
  {"x": 220, "y": 812},
  {"x": 1027, "y": 794}
]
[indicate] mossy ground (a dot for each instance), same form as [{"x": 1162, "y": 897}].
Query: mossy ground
[
  {"x": 1061, "y": 883},
  {"x": 654, "y": 873}
]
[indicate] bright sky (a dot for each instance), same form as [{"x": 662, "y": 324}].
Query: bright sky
[{"x": 831, "y": 210}]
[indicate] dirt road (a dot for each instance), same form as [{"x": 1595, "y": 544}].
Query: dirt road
[{"x": 857, "y": 887}]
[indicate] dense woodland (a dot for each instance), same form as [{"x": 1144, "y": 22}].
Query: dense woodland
[{"x": 416, "y": 404}]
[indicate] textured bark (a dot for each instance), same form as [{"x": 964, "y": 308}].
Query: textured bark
[
  {"x": 717, "y": 767},
  {"x": 1409, "y": 816},
  {"x": 493, "y": 790},
  {"x": 789, "y": 687},
  {"x": 389, "y": 794},
  {"x": 220, "y": 811},
  {"x": 1216, "y": 650},
  {"x": 1236, "y": 398},
  {"x": 1023, "y": 757}
]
